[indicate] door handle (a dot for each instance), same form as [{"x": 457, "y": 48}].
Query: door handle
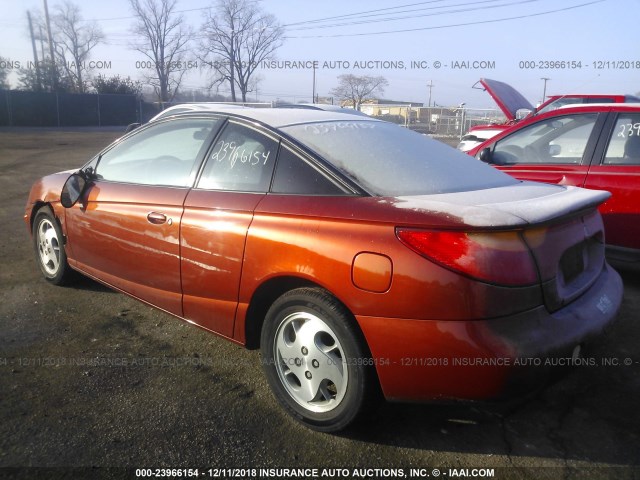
[{"x": 158, "y": 218}]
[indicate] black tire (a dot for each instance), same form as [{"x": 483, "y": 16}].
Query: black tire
[
  {"x": 48, "y": 243},
  {"x": 316, "y": 360}
]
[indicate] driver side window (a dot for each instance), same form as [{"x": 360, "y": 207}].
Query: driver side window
[
  {"x": 558, "y": 140},
  {"x": 162, "y": 154}
]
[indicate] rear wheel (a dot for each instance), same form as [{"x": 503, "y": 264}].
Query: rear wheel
[
  {"x": 48, "y": 243},
  {"x": 315, "y": 360}
]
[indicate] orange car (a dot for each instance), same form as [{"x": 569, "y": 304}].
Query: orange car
[{"x": 361, "y": 257}]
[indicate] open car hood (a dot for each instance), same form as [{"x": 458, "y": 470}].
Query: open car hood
[{"x": 508, "y": 98}]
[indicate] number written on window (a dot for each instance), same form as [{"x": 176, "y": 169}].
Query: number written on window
[
  {"x": 629, "y": 130},
  {"x": 233, "y": 153}
]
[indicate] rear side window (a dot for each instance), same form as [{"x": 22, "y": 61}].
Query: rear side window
[
  {"x": 242, "y": 160},
  {"x": 600, "y": 100},
  {"x": 389, "y": 160},
  {"x": 624, "y": 146},
  {"x": 294, "y": 175}
]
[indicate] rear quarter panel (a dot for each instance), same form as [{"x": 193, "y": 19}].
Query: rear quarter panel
[{"x": 310, "y": 239}]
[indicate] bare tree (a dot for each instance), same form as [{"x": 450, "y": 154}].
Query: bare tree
[
  {"x": 356, "y": 89},
  {"x": 56, "y": 74},
  {"x": 165, "y": 37},
  {"x": 254, "y": 84},
  {"x": 73, "y": 40},
  {"x": 238, "y": 37}
]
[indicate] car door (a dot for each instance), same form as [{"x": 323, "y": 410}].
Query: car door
[
  {"x": 217, "y": 216},
  {"x": 555, "y": 149},
  {"x": 616, "y": 168},
  {"x": 126, "y": 229}
]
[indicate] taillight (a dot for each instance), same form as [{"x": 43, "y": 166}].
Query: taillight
[{"x": 500, "y": 258}]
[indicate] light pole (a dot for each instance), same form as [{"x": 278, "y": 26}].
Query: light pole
[
  {"x": 461, "y": 109},
  {"x": 544, "y": 90}
]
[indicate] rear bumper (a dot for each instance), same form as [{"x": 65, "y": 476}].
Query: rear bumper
[{"x": 420, "y": 360}]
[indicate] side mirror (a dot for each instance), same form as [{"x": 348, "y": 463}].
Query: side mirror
[
  {"x": 131, "y": 127},
  {"x": 73, "y": 189},
  {"x": 554, "y": 150},
  {"x": 201, "y": 134},
  {"x": 485, "y": 155}
]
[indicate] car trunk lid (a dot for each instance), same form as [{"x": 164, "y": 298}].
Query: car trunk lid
[{"x": 559, "y": 224}]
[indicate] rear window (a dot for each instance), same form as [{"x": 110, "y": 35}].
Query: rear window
[{"x": 389, "y": 160}]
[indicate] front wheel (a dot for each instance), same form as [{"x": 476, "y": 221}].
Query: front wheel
[
  {"x": 48, "y": 243},
  {"x": 316, "y": 360}
]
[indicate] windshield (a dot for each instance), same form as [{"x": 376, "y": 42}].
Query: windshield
[
  {"x": 389, "y": 160},
  {"x": 560, "y": 102}
]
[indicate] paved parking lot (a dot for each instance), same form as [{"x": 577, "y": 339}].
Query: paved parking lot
[{"x": 92, "y": 378}]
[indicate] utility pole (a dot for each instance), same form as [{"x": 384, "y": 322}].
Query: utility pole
[
  {"x": 42, "y": 55},
  {"x": 35, "y": 52},
  {"x": 54, "y": 72},
  {"x": 544, "y": 90},
  {"x": 430, "y": 85},
  {"x": 232, "y": 61},
  {"x": 313, "y": 94}
]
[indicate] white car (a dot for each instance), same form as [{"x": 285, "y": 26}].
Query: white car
[{"x": 478, "y": 135}]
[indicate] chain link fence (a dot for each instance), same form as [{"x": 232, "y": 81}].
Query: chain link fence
[
  {"x": 44, "y": 109},
  {"x": 437, "y": 121}
]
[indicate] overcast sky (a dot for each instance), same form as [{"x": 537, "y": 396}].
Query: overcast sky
[{"x": 508, "y": 40}]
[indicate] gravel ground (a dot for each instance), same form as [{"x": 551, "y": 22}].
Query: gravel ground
[{"x": 91, "y": 378}]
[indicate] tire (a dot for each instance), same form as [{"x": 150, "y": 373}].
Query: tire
[
  {"x": 316, "y": 360},
  {"x": 48, "y": 243}
]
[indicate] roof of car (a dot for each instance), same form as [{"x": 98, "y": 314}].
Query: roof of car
[
  {"x": 277, "y": 117},
  {"x": 587, "y": 95},
  {"x": 586, "y": 106},
  {"x": 323, "y": 106},
  {"x": 195, "y": 107}
]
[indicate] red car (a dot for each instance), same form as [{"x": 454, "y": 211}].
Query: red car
[
  {"x": 513, "y": 103},
  {"x": 516, "y": 107},
  {"x": 360, "y": 257},
  {"x": 592, "y": 146},
  {"x": 556, "y": 101}
]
